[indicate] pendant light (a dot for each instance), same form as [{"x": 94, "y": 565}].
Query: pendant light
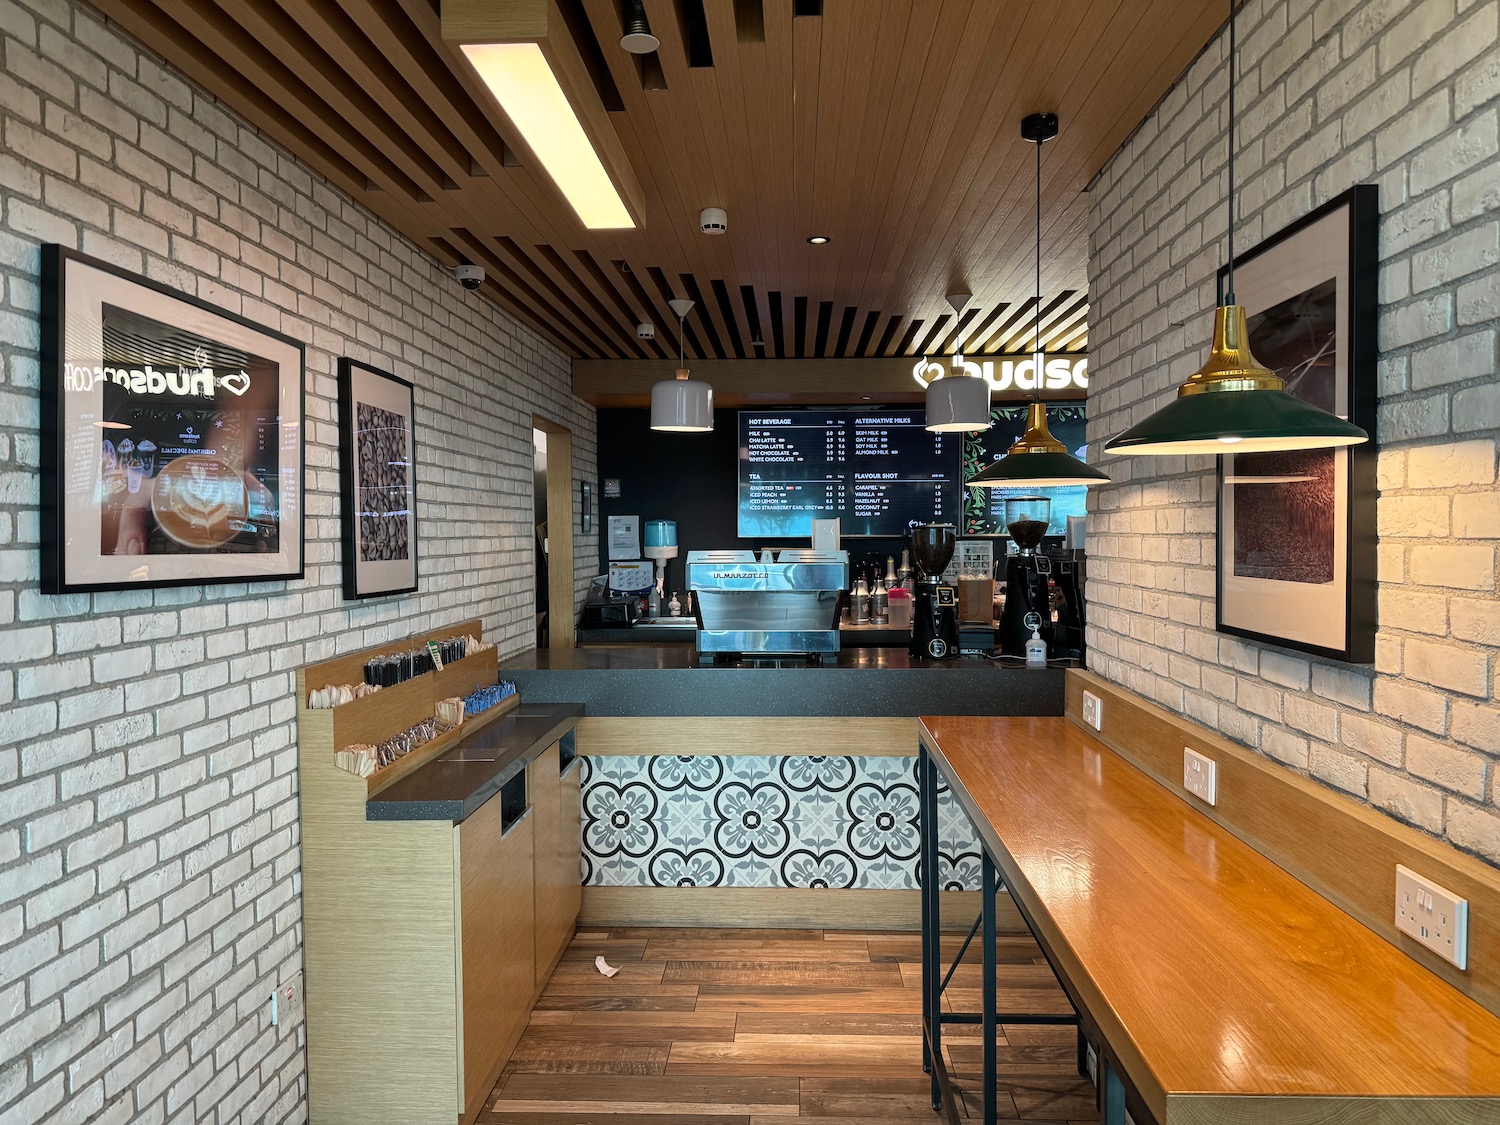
[
  {"x": 682, "y": 404},
  {"x": 1233, "y": 403},
  {"x": 638, "y": 39},
  {"x": 1037, "y": 458},
  {"x": 958, "y": 403}
]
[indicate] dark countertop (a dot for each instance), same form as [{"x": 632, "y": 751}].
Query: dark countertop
[
  {"x": 870, "y": 682},
  {"x": 454, "y": 784}
]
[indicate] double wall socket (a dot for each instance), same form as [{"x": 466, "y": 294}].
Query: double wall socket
[
  {"x": 286, "y": 1001},
  {"x": 1433, "y": 915},
  {"x": 1200, "y": 775},
  {"x": 1093, "y": 710}
]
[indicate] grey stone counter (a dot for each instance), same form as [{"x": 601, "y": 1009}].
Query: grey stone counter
[
  {"x": 665, "y": 680},
  {"x": 454, "y": 784}
]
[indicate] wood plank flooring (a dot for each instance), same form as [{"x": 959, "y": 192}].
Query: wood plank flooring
[{"x": 774, "y": 1027}]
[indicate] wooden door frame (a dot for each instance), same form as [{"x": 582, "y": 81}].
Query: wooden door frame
[{"x": 560, "y": 586}]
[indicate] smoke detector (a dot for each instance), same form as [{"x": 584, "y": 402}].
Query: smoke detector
[{"x": 713, "y": 220}]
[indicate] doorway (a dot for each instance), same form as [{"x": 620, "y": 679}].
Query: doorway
[{"x": 552, "y": 526}]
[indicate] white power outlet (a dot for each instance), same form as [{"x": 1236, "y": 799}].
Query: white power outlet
[
  {"x": 1091, "y": 1062},
  {"x": 1093, "y": 710},
  {"x": 1434, "y": 915},
  {"x": 286, "y": 1001},
  {"x": 1200, "y": 776}
]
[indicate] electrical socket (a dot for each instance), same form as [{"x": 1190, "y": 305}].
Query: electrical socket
[
  {"x": 1091, "y": 1062},
  {"x": 287, "y": 1001},
  {"x": 1200, "y": 775},
  {"x": 1093, "y": 710},
  {"x": 1433, "y": 915}
]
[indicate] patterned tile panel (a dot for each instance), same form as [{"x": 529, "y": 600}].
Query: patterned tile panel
[{"x": 705, "y": 820}]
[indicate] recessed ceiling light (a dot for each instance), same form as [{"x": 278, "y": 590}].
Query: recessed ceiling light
[
  {"x": 522, "y": 81},
  {"x": 818, "y": 240}
]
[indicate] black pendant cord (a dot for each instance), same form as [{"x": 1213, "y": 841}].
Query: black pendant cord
[
  {"x": 1037, "y": 375},
  {"x": 1229, "y": 291}
]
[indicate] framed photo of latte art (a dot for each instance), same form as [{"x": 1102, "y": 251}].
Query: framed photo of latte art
[
  {"x": 171, "y": 436},
  {"x": 1296, "y": 564},
  {"x": 378, "y": 474}
]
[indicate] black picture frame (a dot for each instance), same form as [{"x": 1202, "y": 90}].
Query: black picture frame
[
  {"x": 1296, "y": 550},
  {"x": 377, "y": 481},
  {"x": 586, "y": 501},
  {"x": 171, "y": 436}
]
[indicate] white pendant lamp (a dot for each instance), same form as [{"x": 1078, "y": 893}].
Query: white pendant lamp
[
  {"x": 958, "y": 403},
  {"x": 1037, "y": 458},
  {"x": 682, "y": 404}
]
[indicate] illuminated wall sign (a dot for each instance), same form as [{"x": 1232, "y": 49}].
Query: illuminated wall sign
[{"x": 1017, "y": 374}]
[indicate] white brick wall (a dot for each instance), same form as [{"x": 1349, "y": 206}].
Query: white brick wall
[
  {"x": 149, "y": 887},
  {"x": 1337, "y": 92}
]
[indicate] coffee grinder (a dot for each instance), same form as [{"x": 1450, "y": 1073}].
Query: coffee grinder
[
  {"x": 934, "y": 630},
  {"x": 1028, "y": 599}
]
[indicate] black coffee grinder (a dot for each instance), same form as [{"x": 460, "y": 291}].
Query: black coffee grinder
[
  {"x": 1028, "y": 599},
  {"x": 934, "y": 627}
]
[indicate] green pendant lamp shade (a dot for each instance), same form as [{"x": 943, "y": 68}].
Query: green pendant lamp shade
[
  {"x": 1235, "y": 405},
  {"x": 1037, "y": 458}
]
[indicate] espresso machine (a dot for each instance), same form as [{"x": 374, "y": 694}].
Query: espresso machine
[
  {"x": 1028, "y": 596},
  {"x": 1067, "y": 579},
  {"x": 934, "y": 627}
]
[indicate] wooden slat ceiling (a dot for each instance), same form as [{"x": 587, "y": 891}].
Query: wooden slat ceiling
[{"x": 891, "y": 126}]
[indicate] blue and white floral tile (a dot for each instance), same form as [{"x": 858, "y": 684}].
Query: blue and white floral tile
[{"x": 805, "y": 822}]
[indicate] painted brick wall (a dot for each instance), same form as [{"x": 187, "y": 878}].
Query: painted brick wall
[
  {"x": 1402, "y": 94},
  {"x": 149, "y": 888}
]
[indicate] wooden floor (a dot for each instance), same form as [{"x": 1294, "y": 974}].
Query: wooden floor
[{"x": 768, "y": 1027}]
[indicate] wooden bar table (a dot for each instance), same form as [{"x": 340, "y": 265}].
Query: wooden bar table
[{"x": 1216, "y": 987}]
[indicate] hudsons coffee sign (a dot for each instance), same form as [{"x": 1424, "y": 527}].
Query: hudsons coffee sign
[{"x": 1018, "y": 374}]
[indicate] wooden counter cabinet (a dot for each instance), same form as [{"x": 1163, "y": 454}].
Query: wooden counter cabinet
[{"x": 426, "y": 941}]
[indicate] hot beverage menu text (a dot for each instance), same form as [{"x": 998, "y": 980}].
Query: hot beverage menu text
[{"x": 877, "y": 471}]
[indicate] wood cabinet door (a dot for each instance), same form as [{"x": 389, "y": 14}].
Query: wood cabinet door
[
  {"x": 497, "y": 952},
  {"x": 570, "y": 844},
  {"x": 551, "y": 931}
]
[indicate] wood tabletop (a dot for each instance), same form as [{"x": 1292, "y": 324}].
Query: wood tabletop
[{"x": 1229, "y": 991}]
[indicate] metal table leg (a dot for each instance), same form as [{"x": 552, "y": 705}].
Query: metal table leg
[
  {"x": 931, "y": 925},
  {"x": 1114, "y": 1095},
  {"x": 988, "y": 1021}
]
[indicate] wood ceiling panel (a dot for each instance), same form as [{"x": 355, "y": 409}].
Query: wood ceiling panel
[{"x": 892, "y": 128}]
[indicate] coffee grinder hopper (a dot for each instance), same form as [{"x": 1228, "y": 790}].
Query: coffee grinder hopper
[{"x": 932, "y": 547}]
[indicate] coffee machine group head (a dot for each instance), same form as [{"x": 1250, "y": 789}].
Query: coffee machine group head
[
  {"x": 1028, "y": 596},
  {"x": 934, "y": 634}
]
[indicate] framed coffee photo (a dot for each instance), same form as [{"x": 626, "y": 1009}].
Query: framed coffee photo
[
  {"x": 171, "y": 436},
  {"x": 1296, "y": 564},
  {"x": 378, "y": 474}
]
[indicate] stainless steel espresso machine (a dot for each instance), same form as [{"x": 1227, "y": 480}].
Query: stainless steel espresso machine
[{"x": 753, "y": 607}]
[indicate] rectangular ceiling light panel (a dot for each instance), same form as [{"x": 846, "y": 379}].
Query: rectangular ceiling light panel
[{"x": 522, "y": 81}]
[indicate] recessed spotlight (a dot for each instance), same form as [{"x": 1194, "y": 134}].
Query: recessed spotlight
[{"x": 818, "y": 240}]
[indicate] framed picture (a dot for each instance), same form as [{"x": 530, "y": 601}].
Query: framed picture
[
  {"x": 586, "y": 497},
  {"x": 171, "y": 436},
  {"x": 1296, "y": 564},
  {"x": 378, "y": 473}
]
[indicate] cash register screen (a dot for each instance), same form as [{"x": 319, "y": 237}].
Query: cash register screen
[{"x": 877, "y": 471}]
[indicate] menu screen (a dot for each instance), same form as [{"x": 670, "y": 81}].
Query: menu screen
[
  {"x": 876, "y": 471},
  {"x": 984, "y": 508}
]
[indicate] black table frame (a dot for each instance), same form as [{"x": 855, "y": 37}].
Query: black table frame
[{"x": 1111, "y": 1087}]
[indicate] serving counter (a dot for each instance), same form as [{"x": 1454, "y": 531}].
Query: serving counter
[{"x": 767, "y": 793}]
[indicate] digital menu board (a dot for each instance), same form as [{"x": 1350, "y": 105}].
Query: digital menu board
[
  {"x": 984, "y": 508},
  {"x": 876, "y": 471}
]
